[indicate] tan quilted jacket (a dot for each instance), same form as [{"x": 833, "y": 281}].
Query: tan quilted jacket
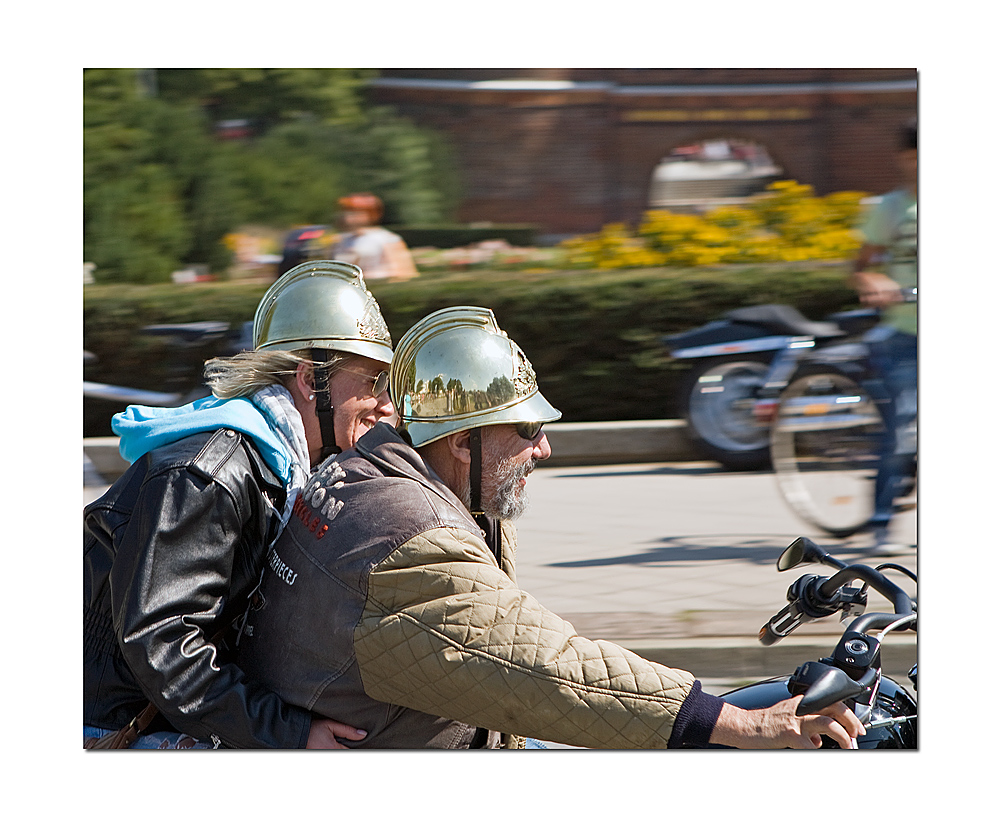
[{"x": 438, "y": 631}]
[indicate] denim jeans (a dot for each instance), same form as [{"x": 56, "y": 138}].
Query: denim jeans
[
  {"x": 153, "y": 740},
  {"x": 176, "y": 740},
  {"x": 894, "y": 355}
]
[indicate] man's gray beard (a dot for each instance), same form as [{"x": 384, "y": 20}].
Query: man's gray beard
[{"x": 503, "y": 502}]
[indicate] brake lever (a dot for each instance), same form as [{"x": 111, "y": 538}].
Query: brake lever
[{"x": 822, "y": 685}]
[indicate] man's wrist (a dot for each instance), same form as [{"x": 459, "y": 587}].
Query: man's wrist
[
  {"x": 696, "y": 719},
  {"x": 735, "y": 727}
]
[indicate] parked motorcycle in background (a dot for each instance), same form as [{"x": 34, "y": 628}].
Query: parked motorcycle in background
[
  {"x": 189, "y": 345},
  {"x": 742, "y": 362}
]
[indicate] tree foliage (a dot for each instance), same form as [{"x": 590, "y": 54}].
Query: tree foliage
[
  {"x": 161, "y": 190},
  {"x": 269, "y": 96}
]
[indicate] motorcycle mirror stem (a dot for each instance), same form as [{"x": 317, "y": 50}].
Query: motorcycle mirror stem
[{"x": 806, "y": 551}]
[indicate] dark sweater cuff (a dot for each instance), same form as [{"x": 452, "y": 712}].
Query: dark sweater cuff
[{"x": 695, "y": 720}]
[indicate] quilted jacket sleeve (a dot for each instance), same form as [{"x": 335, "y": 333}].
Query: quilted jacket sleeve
[{"x": 446, "y": 632}]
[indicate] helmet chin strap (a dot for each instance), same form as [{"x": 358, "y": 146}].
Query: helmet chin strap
[
  {"x": 324, "y": 409},
  {"x": 476, "y": 470}
]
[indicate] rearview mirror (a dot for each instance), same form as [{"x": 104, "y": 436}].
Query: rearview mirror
[{"x": 801, "y": 551}]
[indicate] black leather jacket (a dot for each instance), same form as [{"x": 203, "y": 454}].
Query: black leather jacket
[{"x": 171, "y": 553}]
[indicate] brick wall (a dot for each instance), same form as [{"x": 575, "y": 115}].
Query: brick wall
[{"x": 574, "y": 159}]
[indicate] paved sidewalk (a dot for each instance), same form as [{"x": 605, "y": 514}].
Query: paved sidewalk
[{"x": 676, "y": 561}]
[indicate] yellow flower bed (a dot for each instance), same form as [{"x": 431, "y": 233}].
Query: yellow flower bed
[{"x": 787, "y": 222}]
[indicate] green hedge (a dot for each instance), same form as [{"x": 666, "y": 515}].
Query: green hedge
[
  {"x": 460, "y": 235},
  {"x": 593, "y": 337}
]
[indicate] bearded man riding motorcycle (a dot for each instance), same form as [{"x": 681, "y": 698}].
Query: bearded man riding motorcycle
[
  {"x": 393, "y": 603},
  {"x": 174, "y": 548}
]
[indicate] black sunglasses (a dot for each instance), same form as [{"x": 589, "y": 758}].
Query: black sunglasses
[{"x": 528, "y": 431}]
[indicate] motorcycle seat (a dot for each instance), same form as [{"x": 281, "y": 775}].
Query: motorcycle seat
[
  {"x": 784, "y": 320},
  {"x": 188, "y": 333}
]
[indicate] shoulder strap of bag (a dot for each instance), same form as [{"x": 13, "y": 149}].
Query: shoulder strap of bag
[{"x": 127, "y": 735}]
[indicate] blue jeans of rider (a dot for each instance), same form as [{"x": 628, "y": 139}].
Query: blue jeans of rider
[
  {"x": 894, "y": 355},
  {"x": 154, "y": 740},
  {"x": 175, "y": 740}
]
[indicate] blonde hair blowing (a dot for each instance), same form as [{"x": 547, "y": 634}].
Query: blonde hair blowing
[{"x": 247, "y": 372}]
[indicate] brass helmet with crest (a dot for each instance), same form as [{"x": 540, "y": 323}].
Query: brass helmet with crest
[
  {"x": 456, "y": 369},
  {"x": 322, "y": 305}
]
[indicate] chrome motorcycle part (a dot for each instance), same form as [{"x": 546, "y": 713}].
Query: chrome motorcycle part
[{"x": 853, "y": 672}]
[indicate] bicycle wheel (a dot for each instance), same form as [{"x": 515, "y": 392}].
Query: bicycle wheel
[{"x": 825, "y": 449}]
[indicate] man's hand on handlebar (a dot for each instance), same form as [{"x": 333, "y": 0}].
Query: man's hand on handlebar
[
  {"x": 778, "y": 727},
  {"x": 323, "y": 734}
]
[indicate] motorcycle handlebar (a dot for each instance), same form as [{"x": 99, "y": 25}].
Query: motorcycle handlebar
[
  {"x": 878, "y": 621},
  {"x": 812, "y": 598},
  {"x": 901, "y": 602},
  {"x": 806, "y": 605}
]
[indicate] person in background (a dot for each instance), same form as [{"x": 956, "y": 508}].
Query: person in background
[
  {"x": 362, "y": 242},
  {"x": 175, "y": 548},
  {"x": 884, "y": 271},
  {"x": 396, "y": 607}
]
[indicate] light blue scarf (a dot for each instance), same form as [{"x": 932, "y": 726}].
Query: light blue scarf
[{"x": 269, "y": 418}]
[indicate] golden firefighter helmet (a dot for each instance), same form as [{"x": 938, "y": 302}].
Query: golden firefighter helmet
[
  {"x": 322, "y": 305},
  {"x": 456, "y": 369}
]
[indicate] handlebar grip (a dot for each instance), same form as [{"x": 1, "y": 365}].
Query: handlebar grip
[
  {"x": 767, "y": 636},
  {"x": 781, "y": 624}
]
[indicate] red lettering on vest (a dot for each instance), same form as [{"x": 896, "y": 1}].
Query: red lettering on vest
[{"x": 304, "y": 514}]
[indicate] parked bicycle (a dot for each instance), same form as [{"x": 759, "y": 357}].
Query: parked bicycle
[{"x": 825, "y": 440}]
